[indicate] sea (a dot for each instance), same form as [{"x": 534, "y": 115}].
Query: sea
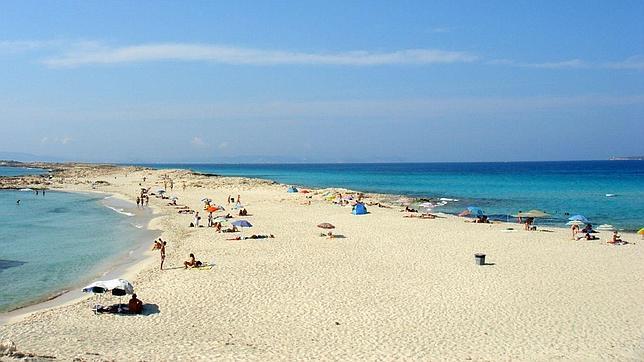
[
  {"x": 605, "y": 192},
  {"x": 61, "y": 241}
]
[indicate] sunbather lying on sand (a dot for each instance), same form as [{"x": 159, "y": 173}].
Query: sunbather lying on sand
[
  {"x": 421, "y": 216},
  {"x": 230, "y": 230},
  {"x": 270, "y": 236}
]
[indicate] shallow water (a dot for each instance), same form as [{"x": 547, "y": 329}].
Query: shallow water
[
  {"x": 20, "y": 171},
  {"x": 501, "y": 189},
  {"x": 51, "y": 243}
]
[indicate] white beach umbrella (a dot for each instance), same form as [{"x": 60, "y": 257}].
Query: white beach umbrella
[
  {"x": 110, "y": 284},
  {"x": 575, "y": 222},
  {"x": 606, "y": 227}
]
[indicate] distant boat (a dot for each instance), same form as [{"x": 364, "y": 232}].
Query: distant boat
[{"x": 610, "y": 195}]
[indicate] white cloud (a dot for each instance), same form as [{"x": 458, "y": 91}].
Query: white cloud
[
  {"x": 572, "y": 63},
  {"x": 56, "y": 140},
  {"x": 237, "y": 55},
  {"x": 303, "y": 111},
  {"x": 198, "y": 142},
  {"x": 635, "y": 62}
]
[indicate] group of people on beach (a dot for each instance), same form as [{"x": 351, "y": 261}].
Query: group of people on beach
[
  {"x": 587, "y": 233},
  {"x": 143, "y": 198}
]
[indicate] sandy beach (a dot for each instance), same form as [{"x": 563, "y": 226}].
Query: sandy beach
[{"x": 390, "y": 288}]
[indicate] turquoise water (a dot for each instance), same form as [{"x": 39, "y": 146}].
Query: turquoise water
[
  {"x": 59, "y": 241},
  {"x": 501, "y": 189},
  {"x": 20, "y": 171}
]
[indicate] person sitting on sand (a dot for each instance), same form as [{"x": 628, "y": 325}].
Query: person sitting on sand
[
  {"x": 192, "y": 263},
  {"x": 135, "y": 305},
  {"x": 528, "y": 224},
  {"x": 616, "y": 238},
  {"x": 218, "y": 227},
  {"x": 330, "y": 235},
  {"x": 588, "y": 229},
  {"x": 575, "y": 230}
]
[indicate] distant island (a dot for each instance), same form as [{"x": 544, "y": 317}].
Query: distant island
[{"x": 630, "y": 158}]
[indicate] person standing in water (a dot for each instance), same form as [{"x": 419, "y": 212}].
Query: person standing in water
[{"x": 18, "y": 202}]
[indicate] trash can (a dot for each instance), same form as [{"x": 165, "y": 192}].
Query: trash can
[{"x": 480, "y": 259}]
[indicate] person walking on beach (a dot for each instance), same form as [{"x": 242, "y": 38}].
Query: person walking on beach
[
  {"x": 197, "y": 218},
  {"x": 147, "y": 200},
  {"x": 238, "y": 199},
  {"x": 138, "y": 201},
  {"x": 184, "y": 186}
]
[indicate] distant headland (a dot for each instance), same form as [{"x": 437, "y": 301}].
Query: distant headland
[{"x": 629, "y": 158}]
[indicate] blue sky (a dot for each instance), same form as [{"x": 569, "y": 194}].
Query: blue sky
[{"x": 328, "y": 81}]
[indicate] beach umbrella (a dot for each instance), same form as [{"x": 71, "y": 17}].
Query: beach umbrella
[
  {"x": 575, "y": 222},
  {"x": 220, "y": 219},
  {"x": 305, "y": 191},
  {"x": 212, "y": 208},
  {"x": 174, "y": 198},
  {"x": 473, "y": 211},
  {"x": 326, "y": 225},
  {"x": 532, "y": 213},
  {"x": 606, "y": 227},
  {"x": 581, "y": 218},
  {"x": 242, "y": 223},
  {"x": 110, "y": 285},
  {"x": 641, "y": 231},
  {"x": 205, "y": 199},
  {"x": 160, "y": 191}
]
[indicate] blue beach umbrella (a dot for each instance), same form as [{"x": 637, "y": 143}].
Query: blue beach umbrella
[
  {"x": 475, "y": 211},
  {"x": 242, "y": 223},
  {"x": 581, "y": 218}
]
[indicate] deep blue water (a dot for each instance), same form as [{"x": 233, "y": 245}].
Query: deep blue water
[
  {"x": 574, "y": 187},
  {"x": 20, "y": 171},
  {"x": 58, "y": 241}
]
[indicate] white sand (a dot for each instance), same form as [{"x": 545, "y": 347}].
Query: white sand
[{"x": 394, "y": 288}]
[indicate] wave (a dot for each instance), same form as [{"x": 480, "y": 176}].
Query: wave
[
  {"x": 26, "y": 190},
  {"x": 120, "y": 211}
]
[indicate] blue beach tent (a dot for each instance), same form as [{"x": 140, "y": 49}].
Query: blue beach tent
[
  {"x": 359, "y": 209},
  {"x": 291, "y": 189}
]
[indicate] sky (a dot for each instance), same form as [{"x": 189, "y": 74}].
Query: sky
[{"x": 322, "y": 81}]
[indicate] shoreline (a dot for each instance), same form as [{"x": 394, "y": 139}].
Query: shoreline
[
  {"x": 120, "y": 265},
  {"x": 510, "y": 204}
]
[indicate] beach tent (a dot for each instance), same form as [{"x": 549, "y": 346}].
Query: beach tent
[
  {"x": 359, "y": 209},
  {"x": 291, "y": 189}
]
